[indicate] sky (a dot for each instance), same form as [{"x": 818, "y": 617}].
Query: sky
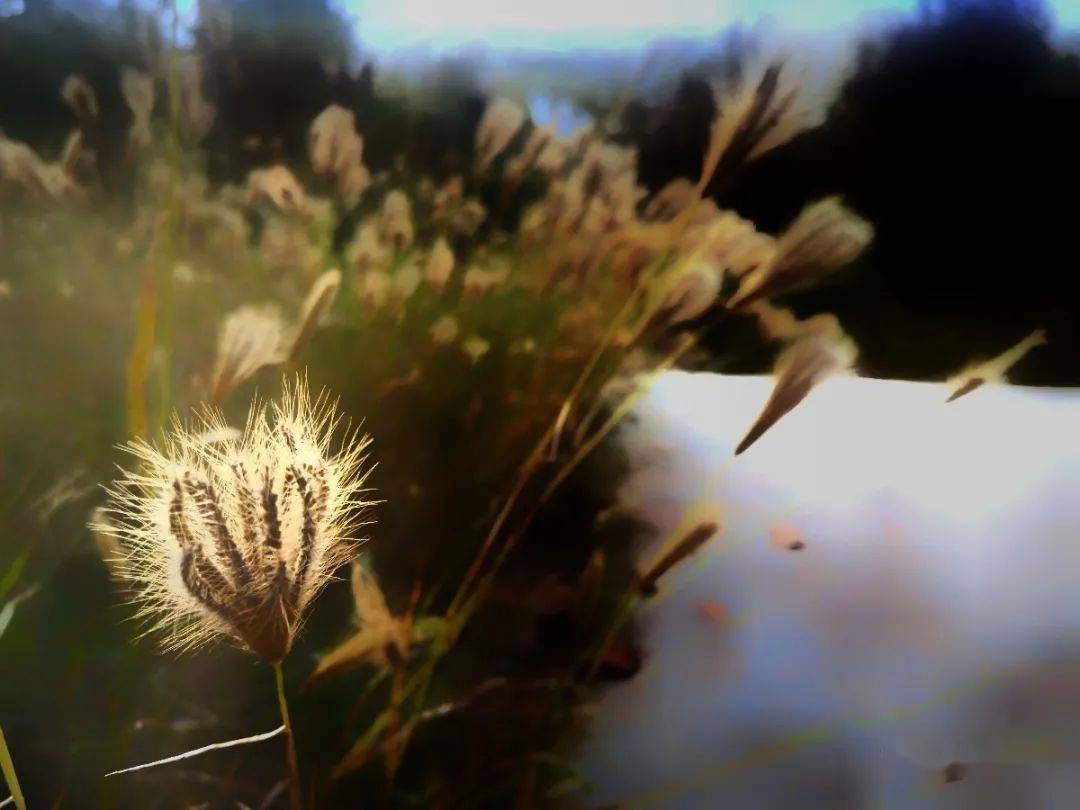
[
  {"x": 566, "y": 24},
  {"x": 388, "y": 26}
]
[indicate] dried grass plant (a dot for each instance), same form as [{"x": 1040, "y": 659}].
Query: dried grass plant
[{"x": 492, "y": 354}]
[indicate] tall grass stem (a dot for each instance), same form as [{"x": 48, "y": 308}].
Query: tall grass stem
[
  {"x": 295, "y": 800},
  {"x": 7, "y": 766}
]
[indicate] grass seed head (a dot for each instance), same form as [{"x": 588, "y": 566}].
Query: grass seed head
[{"x": 233, "y": 536}]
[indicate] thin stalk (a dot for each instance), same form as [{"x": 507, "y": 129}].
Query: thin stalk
[
  {"x": 177, "y": 221},
  {"x": 138, "y": 364},
  {"x": 295, "y": 799},
  {"x": 7, "y": 766},
  {"x": 622, "y": 613},
  {"x": 617, "y": 415}
]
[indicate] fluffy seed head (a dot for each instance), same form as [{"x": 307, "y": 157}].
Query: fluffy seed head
[{"x": 234, "y": 535}]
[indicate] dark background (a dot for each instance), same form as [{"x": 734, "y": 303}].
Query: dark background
[{"x": 957, "y": 137}]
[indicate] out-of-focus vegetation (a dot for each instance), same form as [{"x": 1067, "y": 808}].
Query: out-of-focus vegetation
[{"x": 183, "y": 224}]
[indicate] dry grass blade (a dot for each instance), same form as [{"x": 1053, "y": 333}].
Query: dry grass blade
[
  {"x": 7, "y": 613},
  {"x": 255, "y": 738}
]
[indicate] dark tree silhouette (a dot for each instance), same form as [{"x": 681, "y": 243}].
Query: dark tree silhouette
[
  {"x": 284, "y": 61},
  {"x": 38, "y": 50},
  {"x": 957, "y": 137}
]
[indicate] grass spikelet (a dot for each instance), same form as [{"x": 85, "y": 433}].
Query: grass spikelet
[
  {"x": 501, "y": 122},
  {"x": 994, "y": 370},
  {"x": 823, "y": 237},
  {"x": 235, "y": 537},
  {"x": 251, "y": 337},
  {"x": 805, "y": 363}
]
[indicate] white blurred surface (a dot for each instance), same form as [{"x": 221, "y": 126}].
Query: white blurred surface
[{"x": 933, "y": 616}]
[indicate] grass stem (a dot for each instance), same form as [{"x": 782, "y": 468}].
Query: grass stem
[
  {"x": 295, "y": 799},
  {"x": 7, "y": 766}
]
